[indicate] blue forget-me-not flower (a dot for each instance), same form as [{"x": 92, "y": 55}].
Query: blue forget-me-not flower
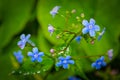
[
  {"x": 73, "y": 78},
  {"x": 50, "y": 29},
  {"x": 19, "y": 56},
  {"x": 54, "y": 11},
  {"x": 110, "y": 54},
  {"x": 101, "y": 34},
  {"x": 99, "y": 63},
  {"x": 36, "y": 55},
  {"x": 64, "y": 61},
  {"x": 90, "y": 27},
  {"x": 23, "y": 41},
  {"x": 78, "y": 38}
]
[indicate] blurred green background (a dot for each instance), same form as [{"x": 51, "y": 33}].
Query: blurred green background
[{"x": 32, "y": 16}]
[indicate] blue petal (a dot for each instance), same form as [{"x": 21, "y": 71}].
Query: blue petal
[
  {"x": 30, "y": 54},
  {"x": 85, "y": 23},
  {"x": 50, "y": 28},
  {"x": 78, "y": 38},
  {"x": 70, "y": 61},
  {"x": 93, "y": 65},
  {"x": 58, "y": 64},
  {"x": 20, "y": 60},
  {"x": 110, "y": 54},
  {"x": 54, "y": 11},
  {"x": 39, "y": 59},
  {"x": 61, "y": 58},
  {"x": 98, "y": 60},
  {"x": 33, "y": 59},
  {"x": 56, "y": 8},
  {"x": 22, "y": 36},
  {"x": 15, "y": 54},
  {"x": 85, "y": 30},
  {"x": 19, "y": 52},
  {"x": 103, "y": 31},
  {"x": 35, "y": 50},
  {"x": 21, "y": 44},
  {"x": 18, "y": 56},
  {"x": 102, "y": 58},
  {"x": 65, "y": 66},
  {"x": 92, "y": 21},
  {"x": 68, "y": 57},
  {"x": 92, "y": 33},
  {"x": 40, "y": 54},
  {"x": 28, "y": 36},
  {"x": 103, "y": 64},
  {"x": 98, "y": 67},
  {"x": 97, "y": 28},
  {"x": 22, "y": 56},
  {"x": 73, "y": 78},
  {"x": 101, "y": 34},
  {"x": 99, "y": 37}
]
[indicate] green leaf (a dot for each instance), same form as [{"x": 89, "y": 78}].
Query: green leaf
[
  {"x": 47, "y": 64},
  {"x": 14, "y": 15}
]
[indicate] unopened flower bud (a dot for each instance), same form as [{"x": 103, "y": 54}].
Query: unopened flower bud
[
  {"x": 73, "y": 11},
  {"x": 52, "y": 50},
  {"x": 82, "y": 15},
  {"x": 92, "y": 42}
]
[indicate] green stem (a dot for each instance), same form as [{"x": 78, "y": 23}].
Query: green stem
[
  {"x": 75, "y": 34},
  {"x": 50, "y": 57},
  {"x": 69, "y": 32},
  {"x": 69, "y": 42},
  {"x": 87, "y": 56}
]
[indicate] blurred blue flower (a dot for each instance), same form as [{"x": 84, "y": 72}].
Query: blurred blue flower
[
  {"x": 110, "y": 54},
  {"x": 23, "y": 40},
  {"x": 73, "y": 78},
  {"x": 50, "y": 29},
  {"x": 90, "y": 27},
  {"x": 64, "y": 62},
  {"x": 19, "y": 56},
  {"x": 101, "y": 34},
  {"x": 99, "y": 63},
  {"x": 78, "y": 38},
  {"x": 54, "y": 11},
  {"x": 36, "y": 55}
]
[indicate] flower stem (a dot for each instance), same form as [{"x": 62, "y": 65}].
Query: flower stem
[{"x": 88, "y": 56}]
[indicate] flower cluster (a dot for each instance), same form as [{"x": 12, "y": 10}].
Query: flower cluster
[
  {"x": 62, "y": 56},
  {"x": 35, "y": 55},
  {"x": 88, "y": 28},
  {"x": 99, "y": 63}
]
